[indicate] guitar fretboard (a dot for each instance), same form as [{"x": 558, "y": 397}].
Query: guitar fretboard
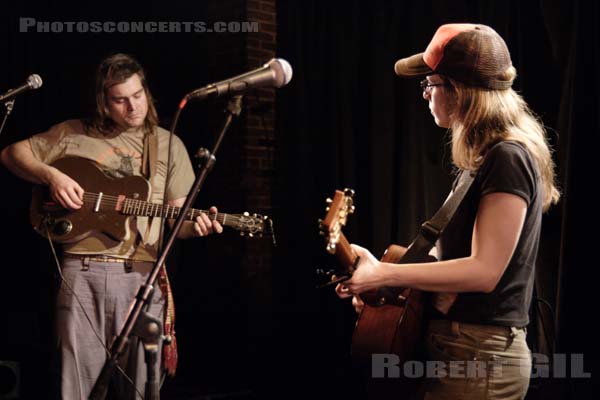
[
  {"x": 147, "y": 209},
  {"x": 130, "y": 206}
]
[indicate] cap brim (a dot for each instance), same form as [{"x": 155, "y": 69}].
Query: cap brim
[{"x": 412, "y": 66}]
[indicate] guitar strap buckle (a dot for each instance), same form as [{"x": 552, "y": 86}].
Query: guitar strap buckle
[{"x": 430, "y": 232}]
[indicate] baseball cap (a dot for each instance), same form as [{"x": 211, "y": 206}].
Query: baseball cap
[{"x": 473, "y": 54}]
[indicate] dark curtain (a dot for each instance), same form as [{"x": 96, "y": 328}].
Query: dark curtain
[{"x": 346, "y": 120}]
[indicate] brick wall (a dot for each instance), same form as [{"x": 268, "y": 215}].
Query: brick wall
[
  {"x": 260, "y": 137},
  {"x": 252, "y": 168}
]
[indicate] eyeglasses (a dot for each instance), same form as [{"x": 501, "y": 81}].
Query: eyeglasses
[{"x": 426, "y": 85}]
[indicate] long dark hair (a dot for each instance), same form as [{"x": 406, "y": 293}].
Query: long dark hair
[{"x": 112, "y": 71}]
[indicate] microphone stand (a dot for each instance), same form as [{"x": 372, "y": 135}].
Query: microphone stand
[
  {"x": 137, "y": 316},
  {"x": 9, "y": 107}
]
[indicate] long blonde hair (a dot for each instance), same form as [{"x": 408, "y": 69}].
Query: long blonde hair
[{"x": 482, "y": 118}]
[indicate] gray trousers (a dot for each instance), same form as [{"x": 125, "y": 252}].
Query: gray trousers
[{"x": 106, "y": 290}]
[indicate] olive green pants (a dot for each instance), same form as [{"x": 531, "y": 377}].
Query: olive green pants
[{"x": 476, "y": 362}]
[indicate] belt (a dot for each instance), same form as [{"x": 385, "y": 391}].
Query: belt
[
  {"x": 455, "y": 327},
  {"x": 101, "y": 258}
]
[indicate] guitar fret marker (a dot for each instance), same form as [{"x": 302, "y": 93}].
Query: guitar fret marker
[{"x": 97, "y": 204}]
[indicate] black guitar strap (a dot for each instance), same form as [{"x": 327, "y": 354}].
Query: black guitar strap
[
  {"x": 429, "y": 233},
  {"x": 431, "y": 230}
]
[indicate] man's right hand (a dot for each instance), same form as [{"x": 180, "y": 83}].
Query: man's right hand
[
  {"x": 19, "y": 159},
  {"x": 65, "y": 190}
]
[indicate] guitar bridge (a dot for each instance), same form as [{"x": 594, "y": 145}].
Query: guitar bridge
[{"x": 97, "y": 204}]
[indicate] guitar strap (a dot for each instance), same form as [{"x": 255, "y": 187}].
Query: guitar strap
[
  {"x": 431, "y": 230},
  {"x": 149, "y": 166},
  {"x": 429, "y": 233},
  {"x": 169, "y": 348},
  {"x": 150, "y": 155}
]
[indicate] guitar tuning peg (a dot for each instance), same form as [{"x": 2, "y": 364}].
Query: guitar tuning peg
[
  {"x": 251, "y": 234},
  {"x": 352, "y": 209},
  {"x": 331, "y": 248},
  {"x": 349, "y": 192},
  {"x": 242, "y": 233},
  {"x": 246, "y": 214},
  {"x": 328, "y": 200},
  {"x": 320, "y": 221},
  {"x": 327, "y": 209},
  {"x": 265, "y": 217}
]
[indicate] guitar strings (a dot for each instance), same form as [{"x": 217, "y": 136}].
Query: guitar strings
[
  {"x": 111, "y": 201},
  {"x": 114, "y": 200}
]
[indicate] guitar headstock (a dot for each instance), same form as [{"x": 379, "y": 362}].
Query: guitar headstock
[
  {"x": 338, "y": 210},
  {"x": 254, "y": 225}
]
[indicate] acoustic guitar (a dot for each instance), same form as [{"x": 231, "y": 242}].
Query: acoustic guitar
[
  {"x": 391, "y": 321},
  {"x": 109, "y": 202}
]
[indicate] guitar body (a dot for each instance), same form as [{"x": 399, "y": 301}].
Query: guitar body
[
  {"x": 67, "y": 226},
  {"x": 390, "y": 328}
]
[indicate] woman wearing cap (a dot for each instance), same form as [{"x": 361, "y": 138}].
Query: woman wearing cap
[{"x": 484, "y": 279}]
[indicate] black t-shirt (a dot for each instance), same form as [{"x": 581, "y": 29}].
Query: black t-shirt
[{"x": 508, "y": 167}]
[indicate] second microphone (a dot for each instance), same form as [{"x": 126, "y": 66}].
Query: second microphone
[{"x": 276, "y": 73}]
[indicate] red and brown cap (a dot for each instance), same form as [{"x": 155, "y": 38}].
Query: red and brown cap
[{"x": 472, "y": 54}]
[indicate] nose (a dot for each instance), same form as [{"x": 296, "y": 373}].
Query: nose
[
  {"x": 426, "y": 94},
  {"x": 131, "y": 106}
]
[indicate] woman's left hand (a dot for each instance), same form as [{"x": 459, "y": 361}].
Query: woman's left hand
[{"x": 368, "y": 274}]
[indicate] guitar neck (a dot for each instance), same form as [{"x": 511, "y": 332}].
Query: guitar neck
[
  {"x": 146, "y": 209},
  {"x": 346, "y": 256}
]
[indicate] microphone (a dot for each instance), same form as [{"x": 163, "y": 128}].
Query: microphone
[
  {"x": 33, "y": 82},
  {"x": 276, "y": 73}
]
